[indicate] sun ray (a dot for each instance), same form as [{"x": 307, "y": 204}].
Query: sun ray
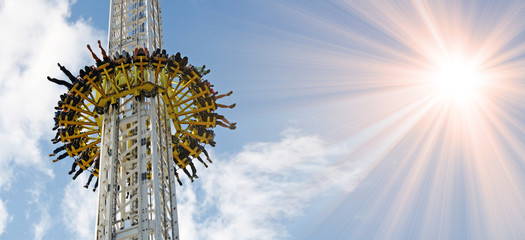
[{"x": 436, "y": 89}]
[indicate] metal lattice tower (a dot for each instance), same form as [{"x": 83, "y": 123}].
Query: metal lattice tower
[{"x": 137, "y": 186}]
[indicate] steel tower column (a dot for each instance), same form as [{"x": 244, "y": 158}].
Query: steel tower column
[
  {"x": 137, "y": 197},
  {"x": 134, "y": 23}
]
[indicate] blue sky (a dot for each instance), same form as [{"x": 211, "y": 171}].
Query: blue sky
[{"x": 345, "y": 128}]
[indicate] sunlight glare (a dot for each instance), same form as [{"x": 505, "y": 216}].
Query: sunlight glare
[{"x": 457, "y": 80}]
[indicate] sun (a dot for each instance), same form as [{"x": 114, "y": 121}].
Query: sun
[{"x": 457, "y": 80}]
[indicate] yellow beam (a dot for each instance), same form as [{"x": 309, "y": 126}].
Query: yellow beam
[
  {"x": 77, "y": 123},
  {"x": 76, "y": 151}
]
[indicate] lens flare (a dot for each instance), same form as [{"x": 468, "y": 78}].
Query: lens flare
[
  {"x": 457, "y": 80},
  {"x": 435, "y": 113}
]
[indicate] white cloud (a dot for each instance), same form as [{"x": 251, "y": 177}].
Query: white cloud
[
  {"x": 4, "y": 217},
  {"x": 79, "y": 209},
  {"x": 247, "y": 196},
  {"x": 44, "y": 224},
  {"x": 38, "y": 204},
  {"x": 250, "y": 195},
  {"x": 38, "y": 36}
]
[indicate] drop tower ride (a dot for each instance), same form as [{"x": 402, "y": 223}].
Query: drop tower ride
[
  {"x": 136, "y": 137},
  {"x": 133, "y": 121}
]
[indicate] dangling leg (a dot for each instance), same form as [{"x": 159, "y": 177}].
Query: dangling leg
[
  {"x": 200, "y": 160},
  {"x": 177, "y": 176},
  {"x": 93, "y": 54},
  {"x": 60, "y": 82},
  {"x": 223, "y": 95},
  {"x": 73, "y": 168},
  {"x": 96, "y": 185},
  {"x": 72, "y": 78},
  {"x": 193, "y": 169},
  {"x": 206, "y": 154},
  {"x": 221, "y": 117},
  {"x": 56, "y": 125},
  {"x": 89, "y": 180},
  {"x": 222, "y": 124},
  {"x": 231, "y": 126},
  {"x": 56, "y": 136},
  {"x": 225, "y": 106},
  {"x": 78, "y": 173},
  {"x": 61, "y": 148},
  {"x": 188, "y": 173},
  {"x": 104, "y": 55}
]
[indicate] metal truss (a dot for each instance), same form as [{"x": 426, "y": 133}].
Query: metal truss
[
  {"x": 137, "y": 189},
  {"x": 135, "y": 23}
]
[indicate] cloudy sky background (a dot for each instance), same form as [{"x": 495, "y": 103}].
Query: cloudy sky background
[{"x": 338, "y": 135}]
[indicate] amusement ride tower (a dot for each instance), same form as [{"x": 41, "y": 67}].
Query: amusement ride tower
[
  {"x": 133, "y": 121},
  {"x": 137, "y": 185}
]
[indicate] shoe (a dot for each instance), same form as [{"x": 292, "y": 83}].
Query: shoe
[
  {"x": 71, "y": 172},
  {"x": 229, "y": 93},
  {"x": 209, "y": 160},
  {"x": 233, "y": 105},
  {"x": 180, "y": 183},
  {"x": 86, "y": 186},
  {"x": 233, "y": 126},
  {"x": 195, "y": 176},
  {"x": 56, "y": 160},
  {"x": 55, "y": 127},
  {"x": 51, "y": 155}
]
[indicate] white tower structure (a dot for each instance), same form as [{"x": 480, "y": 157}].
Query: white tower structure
[{"x": 136, "y": 179}]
